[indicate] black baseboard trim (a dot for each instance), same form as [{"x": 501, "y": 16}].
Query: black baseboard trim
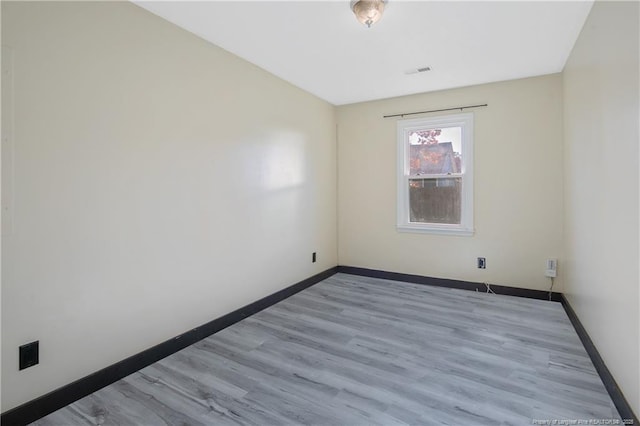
[
  {"x": 623, "y": 407},
  {"x": 443, "y": 282},
  {"x": 59, "y": 398},
  {"x": 46, "y": 404}
]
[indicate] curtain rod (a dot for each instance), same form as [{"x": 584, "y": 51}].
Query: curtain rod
[{"x": 435, "y": 110}]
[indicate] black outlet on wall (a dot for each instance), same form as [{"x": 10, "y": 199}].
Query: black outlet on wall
[
  {"x": 482, "y": 263},
  {"x": 313, "y": 257},
  {"x": 29, "y": 354}
]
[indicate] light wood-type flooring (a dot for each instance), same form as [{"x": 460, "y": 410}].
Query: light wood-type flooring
[{"x": 363, "y": 351}]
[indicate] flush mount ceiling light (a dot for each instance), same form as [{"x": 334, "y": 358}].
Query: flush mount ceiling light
[{"x": 368, "y": 12}]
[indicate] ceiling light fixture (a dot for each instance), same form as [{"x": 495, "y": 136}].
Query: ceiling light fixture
[{"x": 368, "y": 12}]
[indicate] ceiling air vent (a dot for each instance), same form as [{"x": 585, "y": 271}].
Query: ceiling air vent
[{"x": 417, "y": 70}]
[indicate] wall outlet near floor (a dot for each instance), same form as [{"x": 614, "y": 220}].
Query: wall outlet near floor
[
  {"x": 313, "y": 257},
  {"x": 29, "y": 355},
  {"x": 552, "y": 268},
  {"x": 482, "y": 263}
]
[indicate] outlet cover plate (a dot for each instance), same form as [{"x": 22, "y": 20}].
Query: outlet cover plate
[{"x": 29, "y": 355}]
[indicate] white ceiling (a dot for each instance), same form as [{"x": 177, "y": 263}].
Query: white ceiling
[{"x": 320, "y": 47}]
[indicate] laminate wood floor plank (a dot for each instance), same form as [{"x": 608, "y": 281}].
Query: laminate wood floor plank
[{"x": 364, "y": 351}]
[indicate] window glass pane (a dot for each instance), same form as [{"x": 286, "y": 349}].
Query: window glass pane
[
  {"x": 435, "y": 151},
  {"x": 435, "y": 200}
]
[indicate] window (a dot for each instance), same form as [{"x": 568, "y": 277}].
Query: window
[{"x": 435, "y": 175}]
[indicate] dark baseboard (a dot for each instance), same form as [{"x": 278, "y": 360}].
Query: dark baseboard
[
  {"x": 624, "y": 409},
  {"x": 46, "y": 404},
  {"x": 59, "y": 398},
  {"x": 443, "y": 282}
]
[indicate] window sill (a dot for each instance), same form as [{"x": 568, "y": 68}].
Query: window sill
[{"x": 438, "y": 230}]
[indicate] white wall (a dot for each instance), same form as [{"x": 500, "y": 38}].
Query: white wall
[
  {"x": 2, "y": 133},
  {"x": 518, "y": 186},
  {"x": 159, "y": 183},
  {"x": 601, "y": 187}
]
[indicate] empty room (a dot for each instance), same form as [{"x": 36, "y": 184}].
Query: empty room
[{"x": 374, "y": 212}]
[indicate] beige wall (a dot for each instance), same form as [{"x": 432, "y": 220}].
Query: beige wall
[
  {"x": 159, "y": 182},
  {"x": 601, "y": 187},
  {"x": 518, "y": 186}
]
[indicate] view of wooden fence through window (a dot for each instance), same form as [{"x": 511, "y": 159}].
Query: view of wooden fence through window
[{"x": 435, "y": 185}]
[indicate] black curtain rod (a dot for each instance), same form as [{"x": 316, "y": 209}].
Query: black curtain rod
[{"x": 435, "y": 110}]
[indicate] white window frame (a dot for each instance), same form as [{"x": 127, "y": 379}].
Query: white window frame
[{"x": 405, "y": 127}]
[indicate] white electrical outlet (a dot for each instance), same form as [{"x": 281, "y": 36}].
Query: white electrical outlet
[{"x": 552, "y": 268}]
